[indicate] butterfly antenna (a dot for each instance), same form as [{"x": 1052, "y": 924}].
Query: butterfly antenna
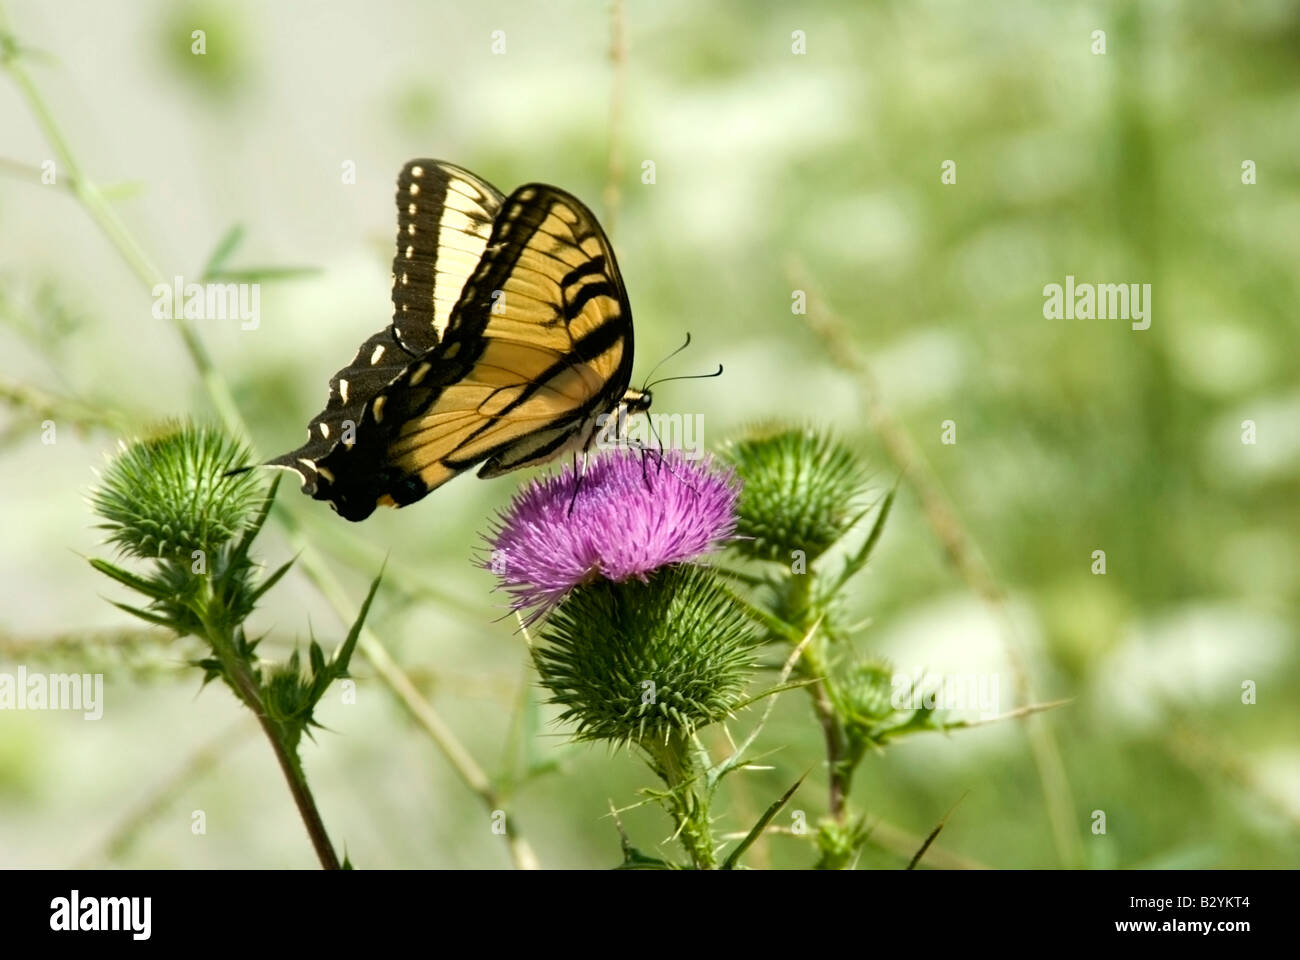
[
  {"x": 684, "y": 345},
  {"x": 691, "y": 376}
]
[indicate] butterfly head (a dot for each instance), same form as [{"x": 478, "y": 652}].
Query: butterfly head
[{"x": 637, "y": 401}]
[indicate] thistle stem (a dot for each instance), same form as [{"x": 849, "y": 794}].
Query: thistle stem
[
  {"x": 220, "y": 636},
  {"x": 840, "y": 771},
  {"x": 813, "y": 664},
  {"x": 687, "y": 800}
]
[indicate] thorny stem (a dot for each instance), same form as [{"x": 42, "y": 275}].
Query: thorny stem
[
  {"x": 219, "y": 635},
  {"x": 839, "y": 770},
  {"x": 813, "y": 664},
  {"x": 223, "y": 401},
  {"x": 688, "y": 804}
]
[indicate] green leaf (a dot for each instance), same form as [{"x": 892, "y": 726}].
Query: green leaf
[
  {"x": 339, "y": 668},
  {"x": 140, "y": 584},
  {"x": 145, "y": 615},
  {"x": 225, "y": 247},
  {"x": 859, "y": 560},
  {"x": 774, "y": 624},
  {"x": 270, "y": 581},
  {"x": 318, "y": 667},
  {"x": 748, "y": 579},
  {"x": 933, "y": 833},
  {"x": 634, "y": 859},
  {"x": 761, "y": 825}
]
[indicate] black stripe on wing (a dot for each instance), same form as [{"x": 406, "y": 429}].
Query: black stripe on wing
[{"x": 444, "y": 218}]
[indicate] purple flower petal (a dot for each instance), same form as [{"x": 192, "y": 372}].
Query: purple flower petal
[{"x": 633, "y": 514}]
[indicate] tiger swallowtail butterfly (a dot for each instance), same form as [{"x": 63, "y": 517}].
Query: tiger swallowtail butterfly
[{"x": 511, "y": 337}]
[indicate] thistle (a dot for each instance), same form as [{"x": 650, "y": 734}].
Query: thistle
[
  {"x": 802, "y": 491},
  {"x": 173, "y": 501},
  {"x": 170, "y": 495},
  {"x": 642, "y": 646},
  {"x": 625, "y": 516},
  {"x": 638, "y": 662}
]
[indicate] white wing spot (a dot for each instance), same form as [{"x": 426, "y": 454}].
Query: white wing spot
[
  {"x": 309, "y": 464},
  {"x": 343, "y": 390},
  {"x": 410, "y": 229},
  {"x": 417, "y": 172},
  {"x": 403, "y": 279},
  {"x": 377, "y": 408},
  {"x": 325, "y": 430},
  {"x": 420, "y": 373},
  {"x": 326, "y": 473},
  {"x": 410, "y": 208},
  {"x": 415, "y": 190},
  {"x": 409, "y": 252},
  {"x": 379, "y": 350}
]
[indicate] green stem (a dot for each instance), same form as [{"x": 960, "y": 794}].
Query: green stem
[
  {"x": 813, "y": 664},
  {"x": 840, "y": 772},
  {"x": 687, "y": 800},
  {"x": 240, "y": 677}
]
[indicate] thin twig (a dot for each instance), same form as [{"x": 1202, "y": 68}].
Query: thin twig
[
  {"x": 1218, "y": 761},
  {"x": 618, "y": 93},
  {"x": 148, "y": 810},
  {"x": 962, "y": 551},
  {"x": 48, "y": 406}
]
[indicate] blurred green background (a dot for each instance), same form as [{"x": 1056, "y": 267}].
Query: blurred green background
[{"x": 774, "y": 171}]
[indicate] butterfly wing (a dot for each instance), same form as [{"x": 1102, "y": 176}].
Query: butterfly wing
[
  {"x": 547, "y": 322},
  {"x": 538, "y": 344},
  {"x": 444, "y": 219}
]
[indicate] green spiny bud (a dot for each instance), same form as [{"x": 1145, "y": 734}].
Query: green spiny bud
[
  {"x": 287, "y": 695},
  {"x": 865, "y": 693},
  {"x": 641, "y": 661},
  {"x": 169, "y": 495},
  {"x": 802, "y": 491}
]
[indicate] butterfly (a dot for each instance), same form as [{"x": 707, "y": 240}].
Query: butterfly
[{"x": 511, "y": 344}]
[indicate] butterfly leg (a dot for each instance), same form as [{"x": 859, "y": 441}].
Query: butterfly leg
[{"x": 581, "y": 475}]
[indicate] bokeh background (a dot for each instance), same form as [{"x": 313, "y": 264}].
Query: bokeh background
[{"x": 774, "y": 171}]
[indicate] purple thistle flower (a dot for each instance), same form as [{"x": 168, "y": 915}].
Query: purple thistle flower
[{"x": 633, "y": 514}]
